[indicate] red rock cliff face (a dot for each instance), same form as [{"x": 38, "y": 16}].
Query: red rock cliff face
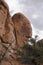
[{"x": 13, "y": 32}]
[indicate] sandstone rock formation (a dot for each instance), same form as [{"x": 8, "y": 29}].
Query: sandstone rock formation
[
  {"x": 13, "y": 32},
  {"x": 22, "y": 27},
  {"x": 7, "y": 37}
]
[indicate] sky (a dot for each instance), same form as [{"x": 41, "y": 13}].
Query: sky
[{"x": 33, "y": 10}]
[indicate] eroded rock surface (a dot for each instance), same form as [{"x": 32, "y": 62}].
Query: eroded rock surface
[
  {"x": 22, "y": 27},
  {"x": 13, "y": 33},
  {"x": 7, "y": 38}
]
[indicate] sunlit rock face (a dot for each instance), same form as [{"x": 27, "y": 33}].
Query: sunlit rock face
[
  {"x": 7, "y": 37},
  {"x": 6, "y": 25},
  {"x": 3, "y": 17},
  {"x": 13, "y": 32},
  {"x": 22, "y": 27}
]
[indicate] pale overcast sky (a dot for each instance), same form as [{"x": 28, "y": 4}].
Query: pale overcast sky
[{"x": 32, "y": 9}]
